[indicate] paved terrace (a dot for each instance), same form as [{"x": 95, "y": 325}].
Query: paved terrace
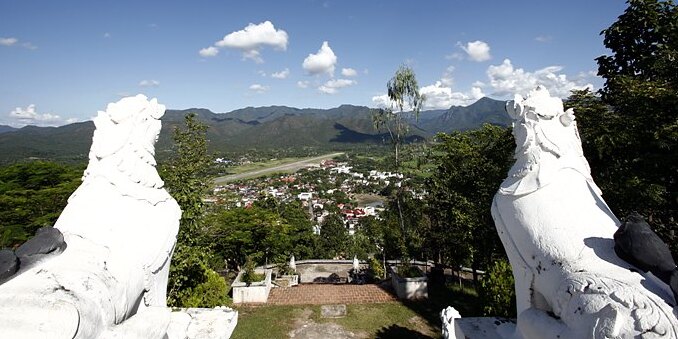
[{"x": 321, "y": 294}]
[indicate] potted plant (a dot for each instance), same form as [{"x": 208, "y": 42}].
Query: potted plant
[
  {"x": 251, "y": 286},
  {"x": 287, "y": 276},
  {"x": 409, "y": 281}
]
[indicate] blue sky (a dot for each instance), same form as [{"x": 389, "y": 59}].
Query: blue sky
[{"x": 61, "y": 61}]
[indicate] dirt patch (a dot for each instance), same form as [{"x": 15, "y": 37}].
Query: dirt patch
[
  {"x": 422, "y": 326},
  {"x": 306, "y": 328}
]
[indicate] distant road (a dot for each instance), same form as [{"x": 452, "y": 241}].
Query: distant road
[{"x": 291, "y": 167}]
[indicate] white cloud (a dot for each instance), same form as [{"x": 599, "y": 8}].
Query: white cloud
[
  {"x": 322, "y": 62},
  {"x": 302, "y": 84},
  {"x": 14, "y": 41},
  {"x": 258, "y": 88},
  {"x": 8, "y": 41},
  {"x": 439, "y": 96},
  {"x": 331, "y": 86},
  {"x": 107, "y": 35},
  {"x": 543, "y": 38},
  {"x": 253, "y": 37},
  {"x": 149, "y": 83},
  {"x": 253, "y": 55},
  {"x": 477, "y": 50},
  {"x": 209, "y": 52},
  {"x": 349, "y": 72},
  {"x": 505, "y": 79},
  {"x": 447, "y": 78},
  {"x": 455, "y": 56},
  {"x": 29, "y": 116},
  {"x": 282, "y": 74},
  {"x": 29, "y": 45}
]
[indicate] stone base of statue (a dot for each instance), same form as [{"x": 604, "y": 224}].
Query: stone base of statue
[{"x": 456, "y": 327}]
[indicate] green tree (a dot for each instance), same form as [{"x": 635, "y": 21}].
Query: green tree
[
  {"x": 471, "y": 165},
  {"x": 334, "y": 238},
  {"x": 403, "y": 91},
  {"x": 185, "y": 176},
  {"x": 255, "y": 232},
  {"x": 634, "y": 134}
]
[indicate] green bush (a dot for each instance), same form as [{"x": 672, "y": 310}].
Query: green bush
[
  {"x": 497, "y": 291},
  {"x": 213, "y": 292},
  {"x": 248, "y": 274},
  {"x": 376, "y": 268}
]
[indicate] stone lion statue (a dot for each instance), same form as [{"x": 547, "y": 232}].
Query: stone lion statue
[
  {"x": 120, "y": 229},
  {"x": 558, "y": 233}
]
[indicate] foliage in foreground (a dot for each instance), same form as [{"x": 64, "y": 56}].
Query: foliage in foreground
[
  {"x": 32, "y": 195},
  {"x": 192, "y": 280},
  {"x": 497, "y": 291}
]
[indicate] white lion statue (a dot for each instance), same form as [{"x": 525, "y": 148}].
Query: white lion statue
[
  {"x": 120, "y": 229},
  {"x": 558, "y": 233}
]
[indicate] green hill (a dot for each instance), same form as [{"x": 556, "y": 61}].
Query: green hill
[{"x": 255, "y": 127}]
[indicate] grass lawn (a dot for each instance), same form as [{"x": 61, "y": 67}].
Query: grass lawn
[{"x": 386, "y": 320}]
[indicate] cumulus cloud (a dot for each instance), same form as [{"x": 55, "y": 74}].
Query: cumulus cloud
[
  {"x": 302, "y": 84},
  {"x": 209, "y": 52},
  {"x": 322, "y": 62},
  {"x": 331, "y": 86},
  {"x": 250, "y": 40},
  {"x": 258, "y": 88},
  {"x": 149, "y": 83},
  {"x": 8, "y": 41},
  {"x": 439, "y": 96},
  {"x": 30, "y": 116},
  {"x": 349, "y": 72},
  {"x": 255, "y": 36},
  {"x": 477, "y": 50},
  {"x": 282, "y": 74},
  {"x": 506, "y": 79}
]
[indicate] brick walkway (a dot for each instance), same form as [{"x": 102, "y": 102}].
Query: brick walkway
[{"x": 318, "y": 294}]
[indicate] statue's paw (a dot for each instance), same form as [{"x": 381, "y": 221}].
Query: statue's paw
[{"x": 149, "y": 323}]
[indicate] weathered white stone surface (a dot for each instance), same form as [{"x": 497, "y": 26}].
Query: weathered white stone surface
[
  {"x": 448, "y": 317},
  {"x": 120, "y": 229},
  {"x": 200, "y": 323},
  {"x": 558, "y": 234}
]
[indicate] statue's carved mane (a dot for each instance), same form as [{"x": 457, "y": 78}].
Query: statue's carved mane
[
  {"x": 547, "y": 141},
  {"x": 122, "y": 150}
]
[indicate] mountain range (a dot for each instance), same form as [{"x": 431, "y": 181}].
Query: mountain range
[{"x": 256, "y": 127}]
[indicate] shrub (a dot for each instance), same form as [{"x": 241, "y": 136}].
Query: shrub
[
  {"x": 497, "y": 291},
  {"x": 376, "y": 268},
  {"x": 213, "y": 292},
  {"x": 248, "y": 275}
]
